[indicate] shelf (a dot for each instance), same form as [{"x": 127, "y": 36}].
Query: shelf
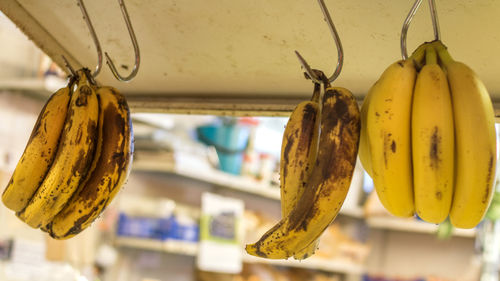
[
  {"x": 337, "y": 266},
  {"x": 212, "y": 176},
  {"x": 173, "y": 247},
  {"x": 412, "y": 225},
  {"x": 191, "y": 249},
  {"x": 226, "y": 180}
]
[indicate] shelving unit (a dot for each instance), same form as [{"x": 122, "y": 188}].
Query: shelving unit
[
  {"x": 225, "y": 180},
  {"x": 191, "y": 249},
  {"x": 412, "y": 225}
]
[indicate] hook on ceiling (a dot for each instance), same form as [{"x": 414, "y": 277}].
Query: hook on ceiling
[
  {"x": 338, "y": 44},
  {"x": 109, "y": 61},
  {"x": 409, "y": 18}
]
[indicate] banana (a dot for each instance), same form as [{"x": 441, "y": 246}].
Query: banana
[
  {"x": 112, "y": 166},
  {"x": 388, "y": 137},
  {"x": 475, "y": 137},
  {"x": 73, "y": 158},
  {"x": 39, "y": 152},
  {"x": 432, "y": 138},
  {"x": 298, "y": 155},
  {"x": 328, "y": 184}
]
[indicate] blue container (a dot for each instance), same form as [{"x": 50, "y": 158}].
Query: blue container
[
  {"x": 142, "y": 227},
  {"x": 189, "y": 232},
  {"x": 229, "y": 141}
]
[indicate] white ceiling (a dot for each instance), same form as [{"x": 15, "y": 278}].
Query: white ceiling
[{"x": 228, "y": 47}]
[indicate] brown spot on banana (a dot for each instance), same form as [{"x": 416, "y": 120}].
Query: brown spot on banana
[
  {"x": 435, "y": 147},
  {"x": 82, "y": 99},
  {"x": 439, "y": 195},
  {"x": 288, "y": 147},
  {"x": 307, "y": 127},
  {"x": 488, "y": 188}
]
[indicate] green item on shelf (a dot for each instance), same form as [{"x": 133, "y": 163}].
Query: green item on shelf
[{"x": 445, "y": 230}]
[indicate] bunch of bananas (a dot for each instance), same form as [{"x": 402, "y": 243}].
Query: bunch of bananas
[
  {"x": 428, "y": 139},
  {"x": 77, "y": 158},
  {"x": 318, "y": 155}
]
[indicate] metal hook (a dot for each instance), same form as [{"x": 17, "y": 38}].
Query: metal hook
[
  {"x": 409, "y": 18},
  {"x": 94, "y": 37},
  {"x": 340, "y": 51},
  {"x": 136, "y": 49},
  {"x": 69, "y": 67}
]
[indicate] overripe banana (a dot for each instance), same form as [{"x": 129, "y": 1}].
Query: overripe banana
[
  {"x": 39, "y": 152},
  {"x": 112, "y": 166},
  {"x": 298, "y": 155},
  {"x": 328, "y": 184},
  {"x": 432, "y": 139},
  {"x": 388, "y": 137},
  {"x": 73, "y": 158},
  {"x": 475, "y": 137}
]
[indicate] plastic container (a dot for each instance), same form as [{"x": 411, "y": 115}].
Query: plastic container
[
  {"x": 143, "y": 227},
  {"x": 229, "y": 140}
]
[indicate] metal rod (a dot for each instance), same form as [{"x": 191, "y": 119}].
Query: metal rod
[
  {"x": 94, "y": 37},
  {"x": 409, "y": 18},
  {"x": 68, "y": 66},
  {"x": 435, "y": 21},
  {"x": 406, "y": 25},
  {"x": 338, "y": 44},
  {"x": 137, "y": 61}
]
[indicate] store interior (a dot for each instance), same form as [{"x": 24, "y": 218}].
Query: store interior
[{"x": 186, "y": 166}]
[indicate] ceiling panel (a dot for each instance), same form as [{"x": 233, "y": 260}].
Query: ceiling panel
[{"x": 246, "y": 48}]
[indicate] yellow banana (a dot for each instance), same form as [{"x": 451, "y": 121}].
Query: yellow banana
[
  {"x": 328, "y": 184},
  {"x": 388, "y": 137},
  {"x": 111, "y": 168},
  {"x": 39, "y": 152},
  {"x": 298, "y": 155},
  {"x": 73, "y": 158},
  {"x": 432, "y": 138},
  {"x": 475, "y": 136}
]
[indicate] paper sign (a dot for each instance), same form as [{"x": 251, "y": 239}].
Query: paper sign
[{"x": 220, "y": 234}]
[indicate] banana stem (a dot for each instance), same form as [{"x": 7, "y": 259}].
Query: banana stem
[
  {"x": 430, "y": 55},
  {"x": 316, "y": 92},
  {"x": 444, "y": 55},
  {"x": 418, "y": 55}
]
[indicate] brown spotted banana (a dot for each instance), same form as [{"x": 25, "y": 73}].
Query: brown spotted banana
[
  {"x": 39, "y": 152},
  {"x": 73, "y": 158},
  {"x": 298, "y": 155},
  {"x": 328, "y": 184},
  {"x": 110, "y": 168}
]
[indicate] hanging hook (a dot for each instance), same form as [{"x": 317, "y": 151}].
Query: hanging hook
[
  {"x": 340, "y": 51},
  {"x": 136, "y": 49},
  {"x": 94, "y": 37},
  {"x": 69, "y": 67},
  {"x": 409, "y": 18}
]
